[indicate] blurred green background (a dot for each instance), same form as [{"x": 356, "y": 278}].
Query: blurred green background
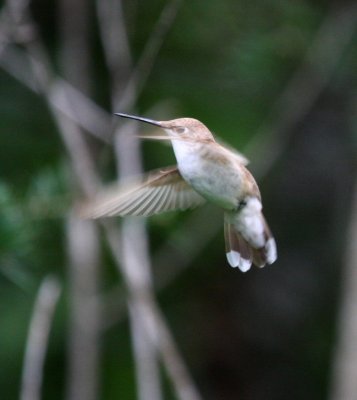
[{"x": 276, "y": 80}]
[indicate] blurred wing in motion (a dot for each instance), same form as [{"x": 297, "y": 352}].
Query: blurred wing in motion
[
  {"x": 159, "y": 191},
  {"x": 241, "y": 158}
]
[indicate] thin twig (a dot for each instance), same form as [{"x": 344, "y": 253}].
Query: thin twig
[{"x": 37, "y": 340}]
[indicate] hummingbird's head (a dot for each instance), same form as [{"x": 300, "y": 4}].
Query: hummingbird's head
[{"x": 187, "y": 129}]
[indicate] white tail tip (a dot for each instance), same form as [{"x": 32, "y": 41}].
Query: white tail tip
[
  {"x": 271, "y": 252},
  {"x": 235, "y": 260}
]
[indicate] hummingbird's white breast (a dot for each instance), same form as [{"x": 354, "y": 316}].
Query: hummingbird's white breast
[{"x": 210, "y": 172}]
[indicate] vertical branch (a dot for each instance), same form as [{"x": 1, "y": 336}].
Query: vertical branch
[
  {"x": 136, "y": 268},
  {"x": 147, "y": 376},
  {"x": 82, "y": 236},
  {"x": 83, "y": 346},
  {"x": 115, "y": 43},
  {"x": 344, "y": 383},
  {"x": 37, "y": 340}
]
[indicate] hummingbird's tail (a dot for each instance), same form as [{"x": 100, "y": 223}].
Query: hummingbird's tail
[{"x": 248, "y": 237}]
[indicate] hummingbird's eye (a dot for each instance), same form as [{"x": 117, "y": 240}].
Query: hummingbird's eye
[{"x": 180, "y": 129}]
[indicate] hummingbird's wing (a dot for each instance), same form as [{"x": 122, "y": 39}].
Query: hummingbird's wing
[
  {"x": 241, "y": 158},
  {"x": 159, "y": 191}
]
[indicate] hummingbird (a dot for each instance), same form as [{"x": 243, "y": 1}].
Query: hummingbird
[{"x": 206, "y": 171}]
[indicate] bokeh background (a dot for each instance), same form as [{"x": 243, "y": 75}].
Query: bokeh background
[{"x": 150, "y": 309}]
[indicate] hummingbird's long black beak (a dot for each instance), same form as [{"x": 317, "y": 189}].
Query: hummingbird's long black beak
[{"x": 147, "y": 120}]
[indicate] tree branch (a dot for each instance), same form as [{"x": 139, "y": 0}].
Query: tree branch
[
  {"x": 344, "y": 367},
  {"x": 37, "y": 339},
  {"x": 84, "y": 324}
]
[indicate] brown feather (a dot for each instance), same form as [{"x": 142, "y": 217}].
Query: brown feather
[{"x": 158, "y": 191}]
